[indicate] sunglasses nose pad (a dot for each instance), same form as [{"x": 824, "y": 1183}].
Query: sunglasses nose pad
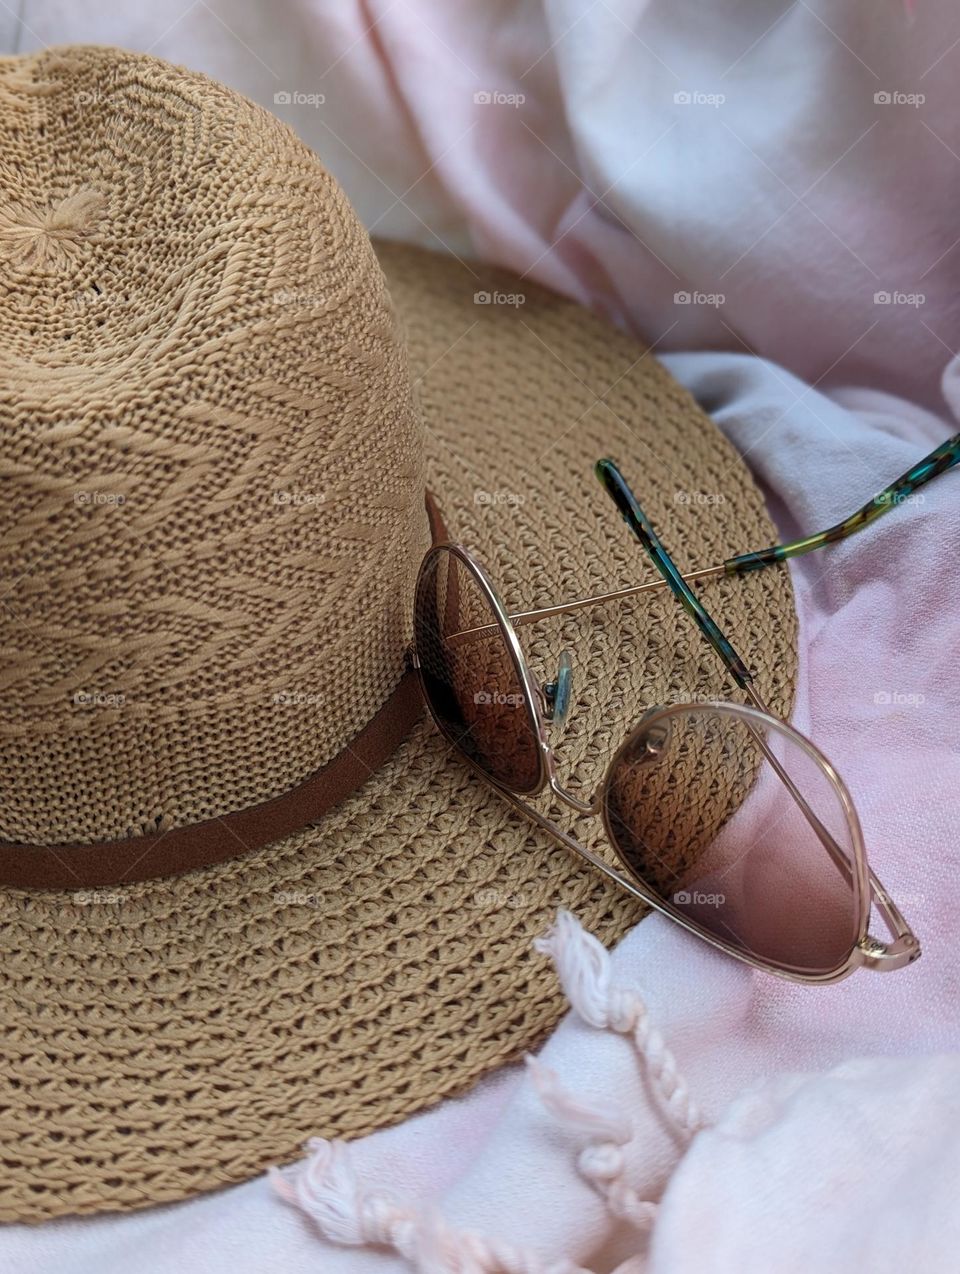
[{"x": 557, "y": 693}]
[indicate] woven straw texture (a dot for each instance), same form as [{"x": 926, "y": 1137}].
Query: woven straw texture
[
  {"x": 171, "y": 1036},
  {"x": 179, "y": 504}
]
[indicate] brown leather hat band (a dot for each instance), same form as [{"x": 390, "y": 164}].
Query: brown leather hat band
[
  {"x": 180, "y": 849},
  {"x": 120, "y": 862}
]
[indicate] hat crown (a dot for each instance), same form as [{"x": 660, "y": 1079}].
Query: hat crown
[{"x": 214, "y": 465}]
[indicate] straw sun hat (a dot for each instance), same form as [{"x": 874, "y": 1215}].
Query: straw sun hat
[{"x": 248, "y": 893}]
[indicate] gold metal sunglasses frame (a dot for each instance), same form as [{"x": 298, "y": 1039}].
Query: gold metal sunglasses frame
[{"x": 866, "y": 952}]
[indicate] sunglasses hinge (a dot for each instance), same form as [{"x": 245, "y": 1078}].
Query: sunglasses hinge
[{"x": 887, "y": 956}]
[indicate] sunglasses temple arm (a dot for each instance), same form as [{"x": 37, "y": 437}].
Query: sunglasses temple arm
[
  {"x": 938, "y": 461},
  {"x": 615, "y": 485},
  {"x": 840, "y": 859},
  {"x": 887, "y": 908},
  {"x": 598, "y": 599}
]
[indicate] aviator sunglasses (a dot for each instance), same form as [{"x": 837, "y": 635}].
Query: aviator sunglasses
[{"x": 782, "y": 883}]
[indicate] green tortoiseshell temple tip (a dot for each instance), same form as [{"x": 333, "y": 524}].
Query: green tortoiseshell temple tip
[
  {"x": 615, "y": 485},
  {"x": 939, "y": 461},
  {"x": 942, "y": 458}
]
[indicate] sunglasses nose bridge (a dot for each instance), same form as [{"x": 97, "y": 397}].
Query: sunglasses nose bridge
[{"x": 582, "y": 807}]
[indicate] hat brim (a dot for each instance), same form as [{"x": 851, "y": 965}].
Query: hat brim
[{"x": 175, "y": 1035}]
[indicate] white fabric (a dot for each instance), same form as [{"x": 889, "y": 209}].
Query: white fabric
[{"x": 853, "y": 1170}]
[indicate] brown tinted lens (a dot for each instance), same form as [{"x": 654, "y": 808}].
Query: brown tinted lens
[
  {"x": 471, "y": 682},
  {"x": 772, "y": 876}
]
